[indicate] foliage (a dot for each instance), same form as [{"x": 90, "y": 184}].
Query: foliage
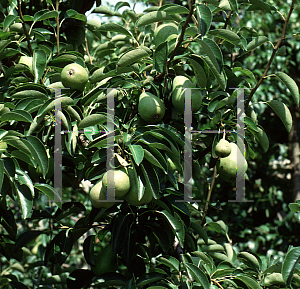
[{"x": 52, "y": 238}]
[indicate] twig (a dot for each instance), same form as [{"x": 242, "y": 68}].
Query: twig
[
  {"x": 24, "y": 27},
  {"x": 225, "y": 25},
  {"x": 182, "y": 34},
  {"x": 272, "y": 56},
  {"x": 209, "y": 194},
  {"x": 87, "y": 50}
]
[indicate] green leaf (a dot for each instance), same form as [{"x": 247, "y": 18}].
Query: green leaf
[
  {"x": 30, "y": 93},
  {"x": 45, "y": 14},
  {"x": 290, "y": 262},
  {"x": 261, "y": 137},
  {"x": 149, "y": 178},
  {"x": 9, "y": 19},
  {"x": 176, "y": 224},
  {"x": 132, "y": 57},
  {"x": 290, "y": 84},
  {"x": 25, "y": 200},
  {"x": 204, "y": 16},
  {"x": 256, "y": 42},
  {"x": 153, "y": 160},
  {"x": 152, "y": 17},
  {"x": 17, "y": 115},
  {"x": 74, "y": 14},
  {"x": 294, "y": 207},
  {"x": 169, "y": 261},
  {"x": 121, "y": 4},
  {"x": 105, "y": 10},
  {"x": 215, "y": 50},
  {"x": 114, "y": 27},
  {"x": 250, "y": 260},
  {"x": 174, "y": 9},
  {"x": 227, "y": 35},
  {"x": 25, "y": 238},
  {"x": 148, "y": 279},
  {"x": 50, "y": 104},
  {"x": 137, "y": 153},
  {"x": 24, "y": 179},
  {"x": 160, "y": 57},
  {"x": 3, "y": 44},
  {"x": 220, "y": 77},
  {"x": 198, "y": 275},
  {"x": 51, "y": 193},
  {"x": 199, "y": 72},
  {"x": 207, "y": 50},
  {"x": 91, "y": 120},
  {"x": 39, "y": 153},
  {"x": 233, "y": 5},
  {"x": 39, "y": 64},
  {"x": 250, "y": 282},
  {"x": 283, "y": 113},
  {"x": 1, "y": 175},
  {"x": 196, "y": 226}
]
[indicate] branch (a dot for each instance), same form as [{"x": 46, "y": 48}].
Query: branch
[
  {"x": 225, "y": 25},
  {"x": 272, "y": 56},
  {"x": 209, "y": 194},
  {"x": 182, "y": 34},
  {"x": 24, "y": 28}
]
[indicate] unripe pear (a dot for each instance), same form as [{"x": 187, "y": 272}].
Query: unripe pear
[
  {"x": 229, "y": 168},
  {"x": 74, "y": 76},
  {"x": 121, "y": 183},
  {"x": 151, "y": 108},
  {"x": 223, "y": 148},
  {"x": 98, "y": 193},
  {"x": 180, "y": 84}
]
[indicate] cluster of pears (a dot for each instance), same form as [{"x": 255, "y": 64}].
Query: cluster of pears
[
  {"x": 228, "y": 166},
  {"x": 126, "y": 188}
]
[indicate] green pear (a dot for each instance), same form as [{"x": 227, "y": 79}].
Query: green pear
[
  {"x": 151, "y": 108},
  {"x": 98, "y": 193},
  {"x": 26, "y": 60},
  {"x": 180, "y": 84},
  {"x": 223, "y": 148},
  {"x": 228, "y": 167},
  {"x": 121, "y": 183},
  {"x": 74, "y": 76}
]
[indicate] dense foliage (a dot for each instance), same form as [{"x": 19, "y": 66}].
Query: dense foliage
[{"x": 51, "y": 236}]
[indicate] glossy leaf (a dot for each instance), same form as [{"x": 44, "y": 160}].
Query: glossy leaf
[
  {"x": 290, "y": 262},
  {"x": 160, "y": 57},
  {"x": 290, "y": 84},
  {"x": 204, "y": 17},
  {"x": 227, "y": 35},
  {"x": 137, "y": 153},
  {"x": 51, "y": 193},
  {"x": 152, "y": 17},
  {"x": 92, "y": 120},
  {"x": 17, "y": 115},
  {"x": 39, "y": 153},
  {"x": 114, "y": 27},
  {"x": 283, "y": 112}
]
